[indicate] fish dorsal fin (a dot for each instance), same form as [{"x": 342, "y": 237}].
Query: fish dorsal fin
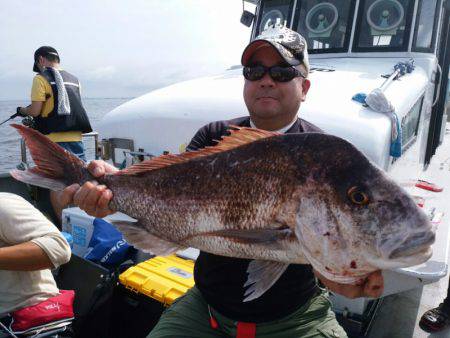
[{"x": 238, "y": 137}]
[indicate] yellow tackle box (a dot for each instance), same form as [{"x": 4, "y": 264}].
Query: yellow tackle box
[
  {"x": 161, "y": 278},
  {"x": 145, "y": 290}
]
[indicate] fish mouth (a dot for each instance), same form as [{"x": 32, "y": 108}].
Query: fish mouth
[{"x": 414, "y": 245}]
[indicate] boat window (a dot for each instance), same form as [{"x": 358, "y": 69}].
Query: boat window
[
  {"x": 274, "y": 12},
  {"x": 326, "y": 25},
  {"x": 383, "y": 25},
  {"x": 410, "y": 125},
  {"x": 424, "y": 34}
]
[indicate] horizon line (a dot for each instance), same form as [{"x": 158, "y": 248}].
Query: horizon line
[{"x": 83, "y": 98}]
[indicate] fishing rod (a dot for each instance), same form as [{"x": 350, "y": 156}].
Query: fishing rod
[
  {"x": 11, "y": 117},
  {"x": 18, "y": 113}
]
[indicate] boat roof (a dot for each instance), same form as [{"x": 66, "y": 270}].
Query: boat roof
[{"x": 329, "y": 105}]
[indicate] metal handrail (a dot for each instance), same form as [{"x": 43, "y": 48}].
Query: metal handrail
[{"x": 23, "y": 148}]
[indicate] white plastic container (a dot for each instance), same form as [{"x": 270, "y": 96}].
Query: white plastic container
[{"x": 80, "y": 225}]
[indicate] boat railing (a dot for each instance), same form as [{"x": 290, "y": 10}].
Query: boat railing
[{"x": 90, "y": 141}]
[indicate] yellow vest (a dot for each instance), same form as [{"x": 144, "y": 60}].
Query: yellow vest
[{"x": 41, "y": 91}]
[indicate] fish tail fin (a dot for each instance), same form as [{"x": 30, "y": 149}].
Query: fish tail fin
[{"x": 55, "y": 167}]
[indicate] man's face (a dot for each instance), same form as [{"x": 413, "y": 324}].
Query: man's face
[{"x": 272, "y": 105}]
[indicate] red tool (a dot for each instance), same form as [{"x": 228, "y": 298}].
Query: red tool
[
  {"x": 428, "y": 186},
  {"x": 246, "y": 330},
  {"x": 420, "y": 201},
  {"x": 212, "y": 320}
]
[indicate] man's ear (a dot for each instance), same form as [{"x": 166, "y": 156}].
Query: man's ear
[{"x": 305, "y": 87}]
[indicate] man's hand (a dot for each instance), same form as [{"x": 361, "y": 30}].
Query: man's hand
[
  {"x": 371, "y": 286},
  {"x": 20, "y": 112},
  {"x": 91, "y": 196}
]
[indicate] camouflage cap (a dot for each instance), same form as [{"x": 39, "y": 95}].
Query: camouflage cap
[{"x": 289, "y": 44}]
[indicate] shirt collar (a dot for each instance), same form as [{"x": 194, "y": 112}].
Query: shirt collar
[{"x": 281, "y": 130}]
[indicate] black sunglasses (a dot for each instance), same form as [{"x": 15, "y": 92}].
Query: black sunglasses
[{"x": 277, "y": 73}]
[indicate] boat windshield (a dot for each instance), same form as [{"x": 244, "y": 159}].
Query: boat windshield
[
  {"x": 274, "y": 12},
  {"x": 326, "y": 25},
  {"x": 383, "y": 25}
]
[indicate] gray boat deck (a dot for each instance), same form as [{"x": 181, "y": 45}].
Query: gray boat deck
[{"x": 399, "y": 314}]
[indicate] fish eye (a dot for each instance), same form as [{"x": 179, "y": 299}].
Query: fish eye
[{"x": 357, "y": 196}]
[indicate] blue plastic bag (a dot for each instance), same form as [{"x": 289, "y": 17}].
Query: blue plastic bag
[
  {"x": 396, "y": 145},
  {"x": 107, "y": 246}
]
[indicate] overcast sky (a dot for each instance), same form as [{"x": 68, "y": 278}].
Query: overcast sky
[{"x": 120, "y": 48}]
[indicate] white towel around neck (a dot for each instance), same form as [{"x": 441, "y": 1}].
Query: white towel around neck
[{"x": 63, "y": 99}]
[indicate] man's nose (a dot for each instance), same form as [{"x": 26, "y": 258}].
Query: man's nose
[{"x": 266, "y": 81}]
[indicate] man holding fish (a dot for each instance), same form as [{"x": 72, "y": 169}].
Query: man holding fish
[
  {"x": 220, "y": 279},
  {"x": 267, "y": 207}
]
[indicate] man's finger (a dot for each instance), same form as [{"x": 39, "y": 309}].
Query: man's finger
[
  {"x": 90, "y": 202},
  {"x": 375, "y": 285},
  {"x": 81, "y": 193},
  {"x": 80, "y": 196},
  {"x": 68, "y": 194},
  {"x": 104, "y": 199},
  {"x": 96, "y": 168}
]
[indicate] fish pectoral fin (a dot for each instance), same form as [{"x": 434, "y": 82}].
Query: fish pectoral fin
[
  {"x": 254, "y": 236},
  {"x": 141, "y": 239},
  {"x": 261, "y": 276}
]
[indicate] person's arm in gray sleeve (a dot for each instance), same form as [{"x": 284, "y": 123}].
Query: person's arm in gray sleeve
[
  {"x": 55, "y": 246},
  {"x": 32, "y": 241}
]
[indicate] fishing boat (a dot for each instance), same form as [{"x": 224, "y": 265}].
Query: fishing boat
[{"x": 379, "y": 75}]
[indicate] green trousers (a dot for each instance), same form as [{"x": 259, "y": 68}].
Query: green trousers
[{"x": 189, "y": 317}]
